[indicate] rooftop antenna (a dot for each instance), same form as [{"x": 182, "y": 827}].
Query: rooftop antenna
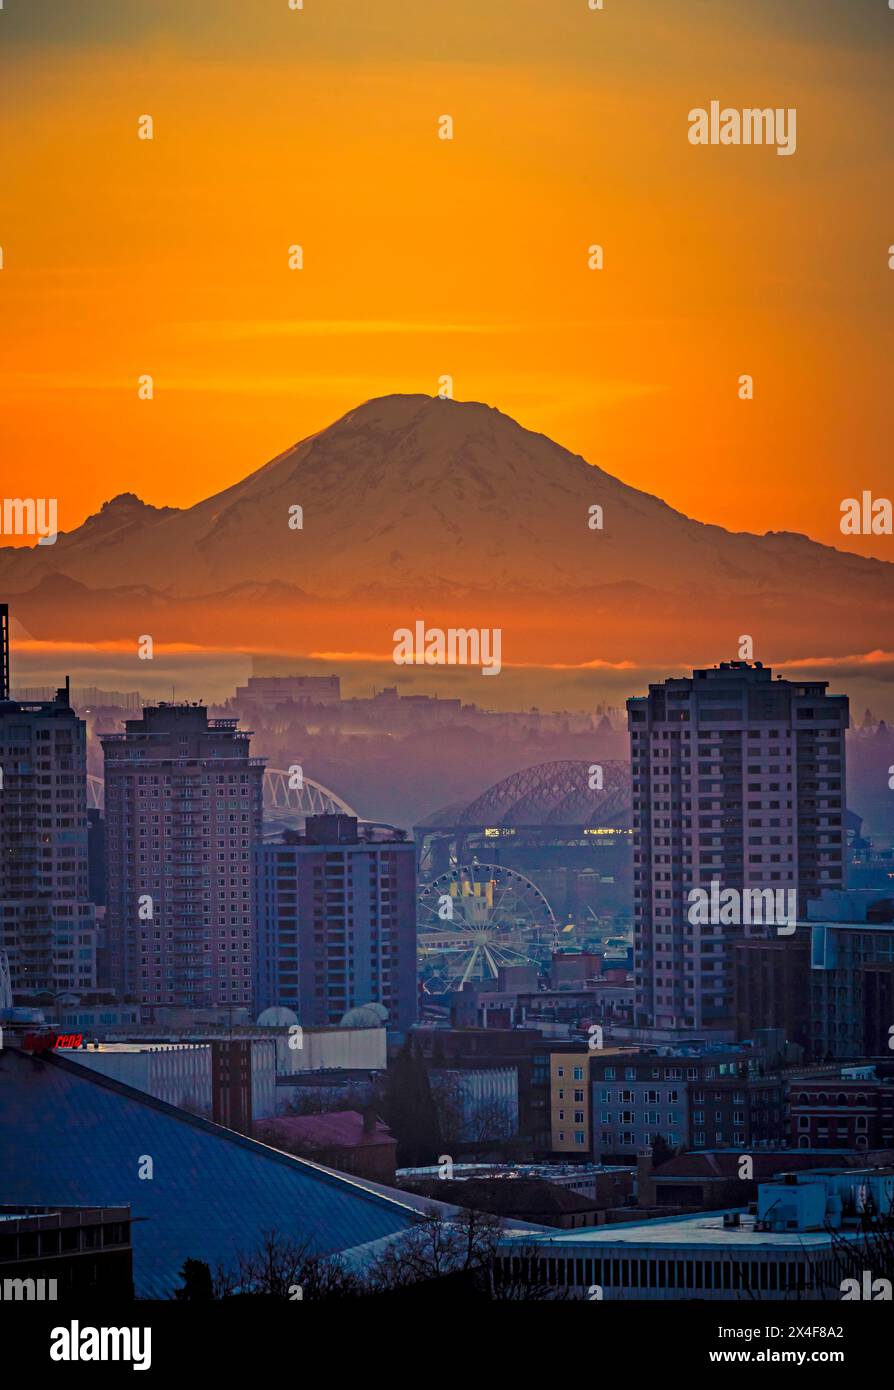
[{"x": 4, "y": 651}]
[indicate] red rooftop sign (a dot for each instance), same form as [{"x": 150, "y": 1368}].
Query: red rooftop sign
[{"x": 46, "y": 1042}]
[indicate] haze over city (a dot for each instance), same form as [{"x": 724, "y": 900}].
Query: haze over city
[{"x": 446, "y": 681}]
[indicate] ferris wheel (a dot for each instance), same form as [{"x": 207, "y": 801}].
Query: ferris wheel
[{"x": 477, "y": 917}]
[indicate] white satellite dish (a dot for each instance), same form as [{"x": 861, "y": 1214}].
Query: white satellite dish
[{"x": 277, "y": 1017}]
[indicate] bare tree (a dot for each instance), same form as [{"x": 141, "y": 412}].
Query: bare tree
[
  {"x": 433, "y": 1248},
  {"x": 449, "y": 1101},
  {"x": 490, "y": 1120},
  {"x": 462, "y": 1119},
  {"x": 464, "y": 1246},
  {"x": 872, "y": 1255},
  {"x": 520, "y": 1277},
  {"x": 319, "y": 1100},
  {"x": 279, "y": 1267}
]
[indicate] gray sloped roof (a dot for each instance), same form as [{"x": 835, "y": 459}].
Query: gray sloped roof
[{"x": 71, "y": 1136}]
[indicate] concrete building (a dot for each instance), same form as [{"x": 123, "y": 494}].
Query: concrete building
[
  {"x": 570, "y": 1108},
  {"x": 738, "y": 781},
  {"x": 794, "y": 1247},
  {"x": 229, "y": 1080},
  {"x": 337, "y": 922},
  {"x": 771, "y": 985},
  {"x": 602, "y": 1186},
  {"x": 331, "y": 1049},
  {"x": 700, "y": 1097},
  {"x": 183, "y": 812},
  {"x": 709, "y": 1179},
  {"x": 842, "y": 1111},
  {"x": 558, "y": 1013},
  {"x": 524, "y": 1049},
  {"x": 851, "y": 979},
  {"x": 568, "y": 969},
  {"x": 93, "y": 1019},
  {"x": 47, "y": 921},
  {"x": 50, "y": 1254},
  {"x": 178, "y": 1073}
]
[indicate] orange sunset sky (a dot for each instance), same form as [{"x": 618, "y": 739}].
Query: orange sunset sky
[{"x": 425, "y": 257}]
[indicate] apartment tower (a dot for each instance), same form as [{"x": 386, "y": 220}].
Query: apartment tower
[
  {"x": 183, "y": 813},
  {"x": 47, "y": 922},
  {"x": 337, "y": 921},
  {"x": 738, "y": 780}
]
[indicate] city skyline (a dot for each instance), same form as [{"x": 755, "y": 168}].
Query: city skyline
[{"x": 446, "y": 675}]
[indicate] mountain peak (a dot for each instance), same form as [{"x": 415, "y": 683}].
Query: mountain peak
[
  {"x": 400, "y": 409},
  {"x": 411, "y": 500},
  {"x": 129, "y": 502}
]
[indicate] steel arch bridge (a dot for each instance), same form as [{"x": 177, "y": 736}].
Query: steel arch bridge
[
  {"x": 310, "y": 799},
  {"x": 556, "y": 793}
]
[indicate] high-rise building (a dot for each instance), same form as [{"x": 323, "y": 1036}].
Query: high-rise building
[
  {"x": 183, "y": 811},
  {"x": 337, "y": 922},
  {"x": 738, "y": 784},
  {"x": 851, "y": 978},
  {"x": 47, "y": 923}
]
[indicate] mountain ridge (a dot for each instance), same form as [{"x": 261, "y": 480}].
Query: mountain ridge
[{"x": 409, "y": 499}]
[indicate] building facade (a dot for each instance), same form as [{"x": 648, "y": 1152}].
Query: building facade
[
  {"x": 183, "y": 813},
  {"x": 700, "y": 1100},
  {"x": 47, "y": 921},
  {"x": 771, "y": 985},
  {"x": 337, "y": 922},
  {"x": 178, "y": 1073},
  {"x": 851, "y": 978},
  {"x": 837, "y": 1112},
  {"x": 738, "y": 782},
  {"x": 794, "y": 1247},
  {"x": 570, "y": 1110},
  {"x": 524, "y": 1049},
  {"x": 56, "y": 1253}
]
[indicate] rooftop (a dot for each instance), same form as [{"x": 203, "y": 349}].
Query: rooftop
[
  {"x": 705, "y": 1229},
  {"x": 73, "y": 1136},
  {"x": 532, "y": 1197},
  {"x": 724, "y": 1163}
]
